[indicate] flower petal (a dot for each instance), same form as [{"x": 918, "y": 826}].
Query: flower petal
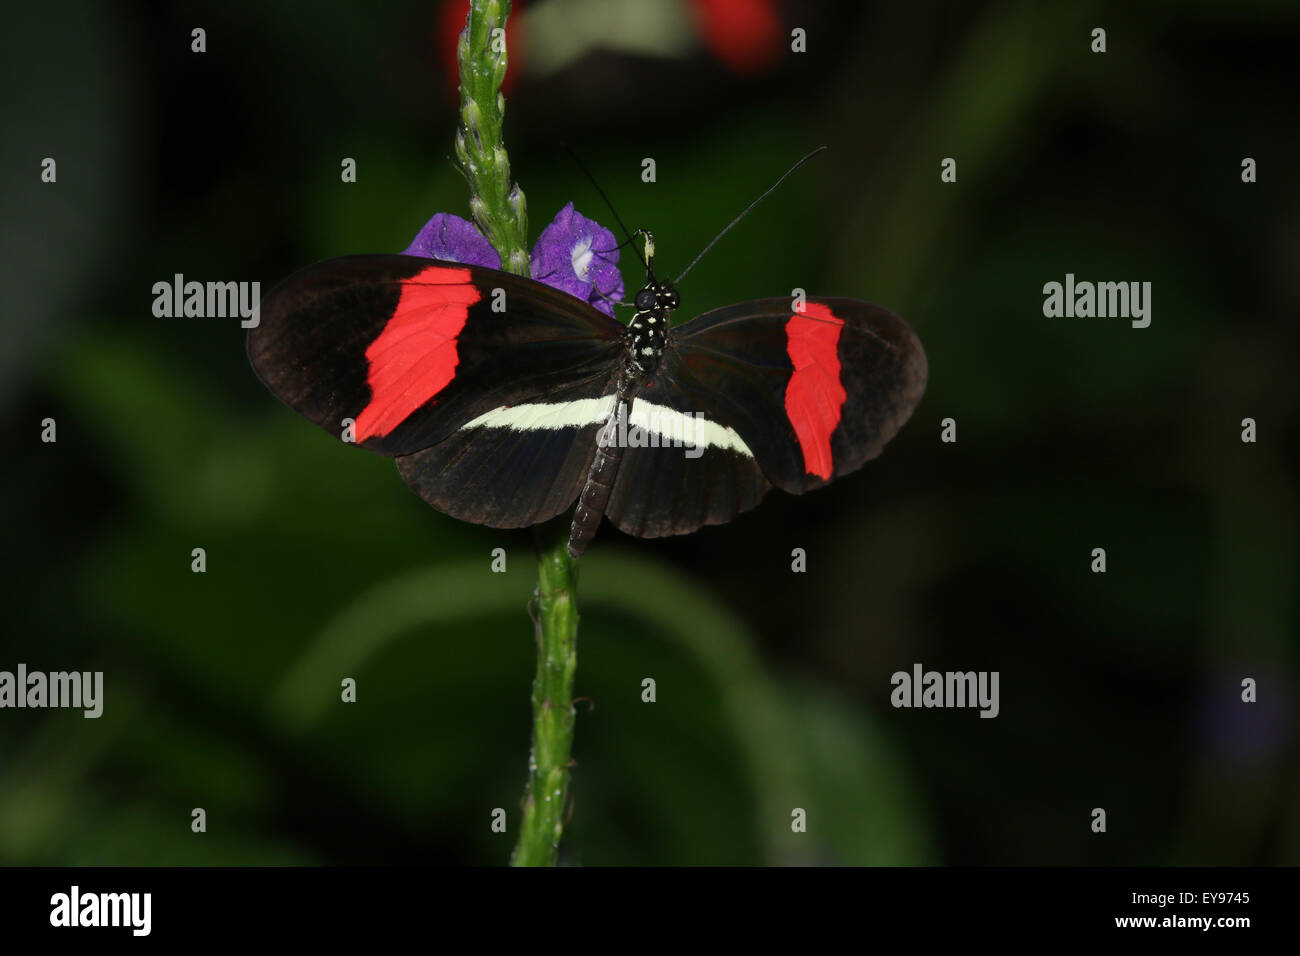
[
  {"x": 453, "y": 239},
  {"x": 579, "y": 256}
]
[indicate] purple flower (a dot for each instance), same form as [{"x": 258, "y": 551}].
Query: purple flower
[
  {"x": 574, "y": 254},
  {"x": 453, "y": 239},
  {"x": 579, "y": 256}
]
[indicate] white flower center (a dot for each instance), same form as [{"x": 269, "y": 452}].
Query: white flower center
[{"x": 581, "y": 255}]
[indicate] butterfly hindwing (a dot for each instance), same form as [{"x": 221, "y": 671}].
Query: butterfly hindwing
[
  {"x": 515, "y": 465},
  {"x": 410, "y": 348},
  {"x": 681, "y": 469}
]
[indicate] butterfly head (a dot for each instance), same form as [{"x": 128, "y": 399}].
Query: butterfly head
[{"x": 657, "y": 294}]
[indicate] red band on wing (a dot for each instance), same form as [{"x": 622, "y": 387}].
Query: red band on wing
[
  {"x": 814, "y": 396},
  {"x": 414, "y": 357}
]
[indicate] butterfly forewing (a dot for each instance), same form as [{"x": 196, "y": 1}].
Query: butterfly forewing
[
  {"x": 814, "y": 394},
  {"x": 410, "y": 349}
]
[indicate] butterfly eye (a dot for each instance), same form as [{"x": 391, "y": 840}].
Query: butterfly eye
[{"x": 645, "y": 300}]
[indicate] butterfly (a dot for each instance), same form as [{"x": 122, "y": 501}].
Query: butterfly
[{"x": 504, "y": 401}]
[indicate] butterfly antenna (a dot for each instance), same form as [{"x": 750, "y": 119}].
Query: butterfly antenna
[
  {"x": 630, "y": 239},
  {"x": 745, "y": 212},
  {"x": 617, "y": 218}
]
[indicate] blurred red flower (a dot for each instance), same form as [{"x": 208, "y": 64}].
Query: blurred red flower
[{"x": 745, "y": 35}]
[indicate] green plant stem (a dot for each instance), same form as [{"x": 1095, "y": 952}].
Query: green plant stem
[
  {"x": 547, "y": 793},
  {"x": 496, "y": 203},
  {"x": 498, "y": 207}
]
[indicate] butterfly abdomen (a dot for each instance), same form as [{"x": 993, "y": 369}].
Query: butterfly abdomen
[{"x": 600, "y": 479}]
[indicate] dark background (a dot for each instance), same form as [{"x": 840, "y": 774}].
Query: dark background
[{"x": 1118, "y": 690}]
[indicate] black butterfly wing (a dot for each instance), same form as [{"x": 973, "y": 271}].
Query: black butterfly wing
[
  {"x": 785, "y": 398},
  {"x": 410, "y": 349},
  {"x": 816, "y": 393},
  {"x": 692, "y": 471},
  {"x": 515, "y": 465},
  {"x": 477, "y": 380}
]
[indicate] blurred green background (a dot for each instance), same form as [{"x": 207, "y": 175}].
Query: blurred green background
[{"x": 1118, "y": 690}]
